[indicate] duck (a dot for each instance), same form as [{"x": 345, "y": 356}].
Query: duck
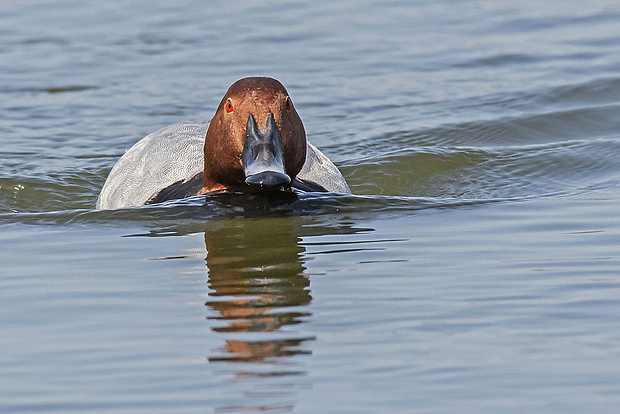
[{"x": 256, "y": 141}]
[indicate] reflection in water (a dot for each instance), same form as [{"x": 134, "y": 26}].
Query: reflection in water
[{"x": 258, "y": 287}]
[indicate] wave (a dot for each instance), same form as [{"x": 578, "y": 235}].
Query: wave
[
  {"x": 509, "y": 146},
  {"x": 527, "y": 155}
]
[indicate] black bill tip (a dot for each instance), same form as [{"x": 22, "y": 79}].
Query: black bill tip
[{"x": 268, "y": 179}]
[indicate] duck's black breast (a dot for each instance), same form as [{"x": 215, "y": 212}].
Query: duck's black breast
[{"x": 178, "y": 190}]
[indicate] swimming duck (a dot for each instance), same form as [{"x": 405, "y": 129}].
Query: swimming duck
[{"x": 232, "y": 151}]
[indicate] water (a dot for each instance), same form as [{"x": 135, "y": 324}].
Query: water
[{"x": 475, "y": 268}]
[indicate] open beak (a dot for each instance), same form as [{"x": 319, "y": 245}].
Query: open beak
[{"x": 262, "y": 157}]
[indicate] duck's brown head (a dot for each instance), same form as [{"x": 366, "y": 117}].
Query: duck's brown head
[{"x": 256, "y": 138}]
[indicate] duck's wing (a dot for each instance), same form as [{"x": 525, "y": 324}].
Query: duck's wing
[
  {"x": 320, "y": 174},
  {"x": 172, "y": 155}
]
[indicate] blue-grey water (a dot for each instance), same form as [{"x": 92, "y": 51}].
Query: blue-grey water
[{"x": 475, "y": 268}]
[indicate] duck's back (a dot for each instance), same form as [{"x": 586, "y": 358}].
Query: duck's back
[
  {"x": 318, "y": 170},
  {"x": 157, "y": 161},
  {"x": 168, "y": 164}
]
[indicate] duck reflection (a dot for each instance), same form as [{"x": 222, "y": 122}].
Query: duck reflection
[{"x": 256, "y": 277}]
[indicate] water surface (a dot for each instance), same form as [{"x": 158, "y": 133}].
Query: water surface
[{"x": 474, "y": 268}]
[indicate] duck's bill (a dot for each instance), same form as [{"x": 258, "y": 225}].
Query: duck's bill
[{"x": 262, "y": 157}]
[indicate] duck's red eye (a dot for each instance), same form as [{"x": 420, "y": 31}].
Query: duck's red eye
[
  {"x": 229, "y": 106},
  {"x": 288, "y": 104}
]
